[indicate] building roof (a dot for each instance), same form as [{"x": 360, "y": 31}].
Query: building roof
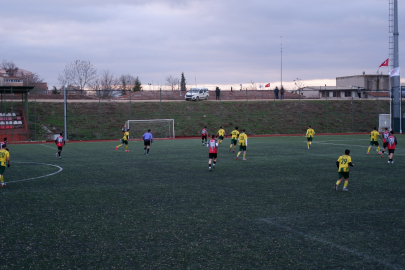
[
  {"x": 328, "y": 88},
  {"x": 15, "y": 89}
]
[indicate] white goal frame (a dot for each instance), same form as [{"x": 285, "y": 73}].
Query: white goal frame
[{"x": 153, "y": 121}]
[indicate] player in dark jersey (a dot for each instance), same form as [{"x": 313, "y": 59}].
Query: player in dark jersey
[
  {"x": 212, "y": 152},
  {"x": 60, "y": 142},
  {"x": 386, "y": 134},
  {"x": 204, "y": 136},
  {"x": 392, "y": 142}
]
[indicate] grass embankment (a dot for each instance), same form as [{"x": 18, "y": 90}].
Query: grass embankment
[{"x": 104, "y": 120}]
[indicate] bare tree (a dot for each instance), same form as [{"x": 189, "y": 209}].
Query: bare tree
[
  {"x": 10, "y": 68},
  {"x": 252, "y": 85},
  {"x": 172, "y": 82},
  {"x": 298, "y": 84},
  {"x": 126, "y": 82},
  {"x": 78, "y": 74}
]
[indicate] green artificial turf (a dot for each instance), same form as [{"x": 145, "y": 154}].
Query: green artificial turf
[{"x": 109, "y": 209}]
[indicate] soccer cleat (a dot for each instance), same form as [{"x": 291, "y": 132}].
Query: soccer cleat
[
  {"x": 229, "y": 150},
  {"x": 3, "y": 184},
  {"x": 336, "y": 187},
  {"x": 56, "y": 154},
  {"x": 308, "y": 147},
  {"x": 116, "y": 148},
  {"x": 147, "y": 154},
  {"x": 60, "y": 157},
  {"x": 392, "y": 162},
  {"x": 368, "y": 153},
  {"x": 345, "y": 189},
  {"x": 209, "y": 168},
  {"x": 126, "y": 150},
  {"x": 233, "y": 151},
  {"x": 236, "y": 158},
  {"x": 213, "y": 165},
  {"x": 244, "y": 158},
  {"x": 389, "y": 162},
  {"x": 382, "y": 155},
  {"x": 379, "y": 153}
]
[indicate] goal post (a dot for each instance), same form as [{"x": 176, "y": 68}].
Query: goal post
[{"x": 160, "y": 128}]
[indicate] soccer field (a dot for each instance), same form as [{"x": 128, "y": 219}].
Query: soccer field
[{"x": 98, "y": 208}]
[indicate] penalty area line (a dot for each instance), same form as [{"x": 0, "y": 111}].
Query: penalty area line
[
  {"x": 359, "y": 254},
  {"x": 33, "y": 178},
  {"x": 47, "y": 146}
]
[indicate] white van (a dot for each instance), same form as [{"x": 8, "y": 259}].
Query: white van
[{"x": 197, "y": 94}]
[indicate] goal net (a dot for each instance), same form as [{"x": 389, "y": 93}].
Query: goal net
[{"x": 160, "y": 128}]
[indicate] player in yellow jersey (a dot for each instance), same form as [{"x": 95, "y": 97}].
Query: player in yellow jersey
[
  {"x": 234, "y": 139},
  {"x": 374, "y": 141},
  {"x": 221, "y": 133},
  {"x": 310, "y": 135},
  {"x": 4, "y": 159},
  {"x": 343, "y": 164},
  {"x": 242, "y": 144},
  {"x": 124, "y": 140}
]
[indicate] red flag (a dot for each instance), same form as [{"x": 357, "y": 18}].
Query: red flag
[
  {"x": 267, "y": 85},
  {"x": 384, "y": 64}
]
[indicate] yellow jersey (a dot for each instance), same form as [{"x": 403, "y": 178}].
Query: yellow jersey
[
  {"x": 221, "y": 132},
  {"x": 344, "y": 163},
  {"x": 373, "y": 135},
  {"x": 310, "y": 132},
  {"x": 235, "y": 134},
  {"x": 242, "y": 139},
  {"x": 126, "y": 136},
  {"x": 4, "y": 154}
]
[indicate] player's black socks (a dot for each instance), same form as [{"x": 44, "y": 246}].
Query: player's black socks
[
  {"x": 147, "y": 151},
  {"x": 144, "y": 148}
]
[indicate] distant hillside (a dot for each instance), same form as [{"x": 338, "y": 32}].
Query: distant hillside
[{"x": 88, "y": 121}]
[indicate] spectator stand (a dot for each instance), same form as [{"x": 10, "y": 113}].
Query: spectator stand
[{"x": 14, "y": 113}]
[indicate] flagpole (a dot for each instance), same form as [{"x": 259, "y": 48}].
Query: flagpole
[{"x": 281, "y": 83}]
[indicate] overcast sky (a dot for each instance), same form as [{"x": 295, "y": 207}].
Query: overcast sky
[{"x": 214, "y": 42}]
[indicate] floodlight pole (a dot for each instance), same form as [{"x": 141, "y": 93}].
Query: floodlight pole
[
  {"x": 397, "y": 119},
  {"x": 65, "y": 111}
]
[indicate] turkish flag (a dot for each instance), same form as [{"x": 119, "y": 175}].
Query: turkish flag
[
  {"x": 267, "y": 85},
  {"x": 384, "y": 64}
]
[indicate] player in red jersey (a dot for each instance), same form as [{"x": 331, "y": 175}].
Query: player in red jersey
[
  {"x": 60, "y": 142},
  {"x": 392, "y": 142},
  {"x": 212, "y": 153},
  {"x": 386, "y": 134},
  {"x": 204, "y": 135}
]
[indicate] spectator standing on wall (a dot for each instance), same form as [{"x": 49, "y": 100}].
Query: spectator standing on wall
[
  {"x": 282, "y": 92},
  {"x": 359, "y": 92},
  {"x": 276, "y": 92},
  {"x": 217, "y": 93}
]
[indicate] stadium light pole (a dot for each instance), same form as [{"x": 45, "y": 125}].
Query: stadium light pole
[
  {"x": 65, "y": 111},
  {"x": 281, "y": 82}
]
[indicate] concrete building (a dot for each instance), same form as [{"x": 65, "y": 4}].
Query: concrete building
[{"x": 359, "y": 86}]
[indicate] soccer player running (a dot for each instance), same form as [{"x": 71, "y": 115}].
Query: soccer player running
[
  {"x": 343, "y": 164},
  {"x": 124, "y": 140},
  {"x": 4, "y": 159},
  {"x": 212, "y": 152},
  {"x": 147, "y": 141},
  {"x": 221, "y": 133},
  {"x": 234, "y": 139},
  {"x": 374, "y": 141},
  {"x": 392, "y": 142},
  {"x": 204, "y": 136},
  {"x": 310, "y": 135},
  {"x": 242, "y": 144},
  {"x": 386, "y": 134},
  {"x": 60, "y": 142}
]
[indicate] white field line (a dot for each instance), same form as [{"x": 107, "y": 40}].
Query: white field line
[
  {"x": 48, "y": 146},
  {"x": 359, "y": 254},
  {"x": 28, "y": 179}
]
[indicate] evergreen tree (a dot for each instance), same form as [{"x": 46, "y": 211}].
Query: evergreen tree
[
  {"x": 137, "y": 85},
  {"x": 183, "y": 82}
]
